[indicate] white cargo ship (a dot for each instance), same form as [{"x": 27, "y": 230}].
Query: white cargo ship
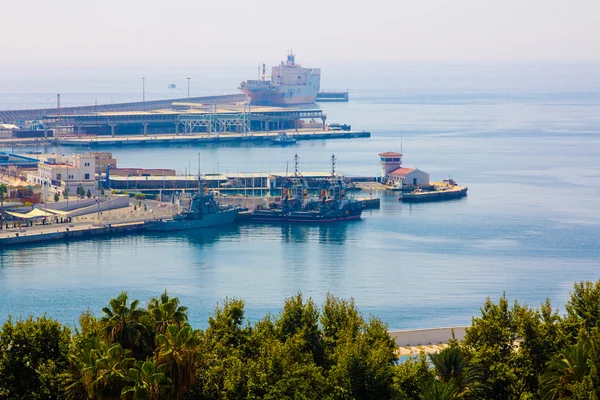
[{"x": 289, "y": 84}]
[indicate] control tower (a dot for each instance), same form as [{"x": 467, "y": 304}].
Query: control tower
[{"x": 389, "y": 161}]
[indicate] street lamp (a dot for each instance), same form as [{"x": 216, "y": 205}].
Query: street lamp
[
  {"x": 144, "y": 91},
  {"x": 188, "y": 79}
]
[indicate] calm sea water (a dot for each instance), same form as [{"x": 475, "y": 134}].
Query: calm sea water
[{"x": 525, "y": 140}]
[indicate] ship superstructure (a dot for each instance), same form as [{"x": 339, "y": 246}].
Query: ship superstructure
[
  {"x": 332, "y": 205},
  {"x": 289, "y": 84}
]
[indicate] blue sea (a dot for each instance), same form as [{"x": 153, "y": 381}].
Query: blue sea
[{"x": 524, "y": 139}]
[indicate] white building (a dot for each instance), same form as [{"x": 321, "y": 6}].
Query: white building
[
  {"x": 56, "y": 174},
  {"x": 393, "y": 173}
]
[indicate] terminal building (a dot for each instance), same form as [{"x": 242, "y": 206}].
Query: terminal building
[{"x": 188, "y": 119}]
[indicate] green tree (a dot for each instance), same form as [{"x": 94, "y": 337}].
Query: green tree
[
  {"x": 286, "y": 371},
  {"x": 583, "y": 308},
  {"x": 122, "y": 324},
  {"x": 78, "y": 380},
  {"x": 56, "y": 197},
  {"x": 165, "y": 311},
  {"x": 439, "y": 390},
  {"x": 146, "y": 381},
  {"x": 108, "y": 370},
  {"x": 339, "y": 320},
  {"x": 450, "y": 366},
  {"x": 222, "y": 372},
  {"x": 410, "y": 376},
  {"x": 569, "y": 374},
  {"x": 299, "y": 317},
  {"x": 177, "y": 352},
  {"x": 489, "y": 348},
  {"x": 33, "y": 354},
  {"x": 89, "y": 194}
]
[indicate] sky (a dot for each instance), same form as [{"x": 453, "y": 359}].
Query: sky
[{"x": 39, "y": 34}]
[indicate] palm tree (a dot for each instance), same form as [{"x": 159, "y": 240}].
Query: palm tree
[
  {"x": 122, "y": 323},
  {"x": 177, "y": 349},
  {"x": 438, "y": 390},
  {"x": 110, "y": 370},
  {"x": 449, "y": 365},
  {"x": 79, "y": 379},
  {"x": 3, "y": 193},
  {"x": 166, "y": 311},
  {"x": 146, "y": 381},
  {"x": 569, "y": 368}
]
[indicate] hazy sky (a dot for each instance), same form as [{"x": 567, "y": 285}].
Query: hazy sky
[{"x": 38, "y": 33}]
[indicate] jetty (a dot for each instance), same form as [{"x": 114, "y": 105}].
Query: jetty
[
  {"x": 206, "y": 138},
  {"x": 62, "y": 232}
]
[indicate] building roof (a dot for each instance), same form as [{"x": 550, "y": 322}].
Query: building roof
[
  {"x": 401, "y": 171},
  {"x": 390, "y": 154}
]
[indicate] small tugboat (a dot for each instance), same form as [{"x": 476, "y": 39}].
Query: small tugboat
[
  {"x": 203, "y": 212},
  {"x": 331, "y": 206},
  {"x": 283, "y": 139}
]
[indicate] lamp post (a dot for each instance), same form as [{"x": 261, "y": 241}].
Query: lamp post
[
  {"x": 188, "y": 79},
  {"x": 144, "y": 92}
]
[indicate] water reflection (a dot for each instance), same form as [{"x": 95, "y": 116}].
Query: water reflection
[{"x": 331, "y": 233}]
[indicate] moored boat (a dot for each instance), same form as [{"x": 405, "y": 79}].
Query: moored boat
[
  {"x": 449, "y": 191},
  {"x": 283, "y": 139},
  {"x": 203, "y": 212},
  {"x": 296, "y": 207}
]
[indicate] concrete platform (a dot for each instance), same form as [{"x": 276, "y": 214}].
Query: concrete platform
[
  {"x": 98, "y": 141},
  {"x": 56, "y": 232}
]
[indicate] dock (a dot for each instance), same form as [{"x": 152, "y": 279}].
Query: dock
[
  {"x": 370, "y": 203},
  {"x": 332, "y": 96},
  {"x": 373, "y": 186},
  {"x": 205, "y": 138},
  {"x": 64, "y": 232}
]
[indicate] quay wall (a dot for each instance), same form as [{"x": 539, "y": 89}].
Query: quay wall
[
  {"x": 206, "y": 139},
  {"x": 425, "y": 337},
  {"x": 69, "y": 233}
]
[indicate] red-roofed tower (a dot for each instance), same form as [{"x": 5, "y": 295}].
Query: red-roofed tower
[{"x": 389, "y": 161}]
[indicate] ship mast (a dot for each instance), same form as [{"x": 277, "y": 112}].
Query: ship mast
[
  {"x": 296, "y": 166},
  {"x": 333, "y": 160}
]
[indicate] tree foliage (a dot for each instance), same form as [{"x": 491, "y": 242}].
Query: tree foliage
[{"x": 307, "y": 351}]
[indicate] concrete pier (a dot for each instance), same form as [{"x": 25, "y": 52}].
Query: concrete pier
[
  {"x": 206, "y": 138},
  {"x": 56, "y": 232}
]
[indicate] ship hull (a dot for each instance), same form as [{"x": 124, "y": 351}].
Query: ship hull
[
  {"x": 276, "y": 98},
  {"x": 436, "y": 195},
  {"x": 209, "y": 220},
  {"x": 304, "y": 217}
]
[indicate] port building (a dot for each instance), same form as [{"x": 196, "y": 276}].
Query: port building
[
  {"x": 394, "y": 174},
  {"x": 187, "y": 119},
  {"x": 57, "y": 174}
]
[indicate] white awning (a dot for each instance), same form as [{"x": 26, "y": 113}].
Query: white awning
[{"x": 35, "y": 213}]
